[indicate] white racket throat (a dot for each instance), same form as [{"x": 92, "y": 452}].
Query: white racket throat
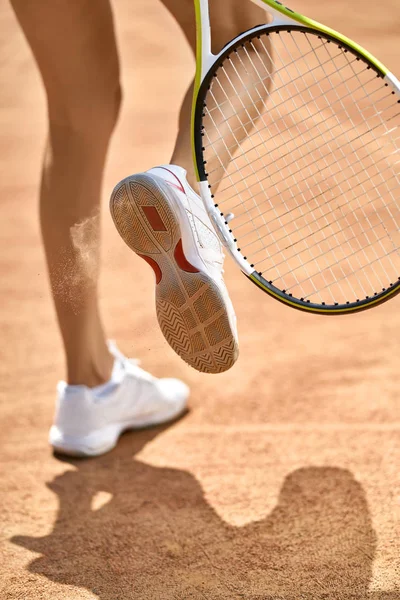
[{"x": 204, "y": 31}]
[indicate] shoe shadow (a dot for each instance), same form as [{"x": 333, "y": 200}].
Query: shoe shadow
[{"x": 158, "y": 538}]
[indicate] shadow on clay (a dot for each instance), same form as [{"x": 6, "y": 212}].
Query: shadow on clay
[{"x": 128, "y": 530}]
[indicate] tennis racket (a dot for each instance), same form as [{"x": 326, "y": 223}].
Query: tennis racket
[{"x": 296, "y": 149}]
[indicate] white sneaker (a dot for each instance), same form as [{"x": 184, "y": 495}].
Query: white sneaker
[
  {"x": 89, "y": 421},
  {"x": 164, "y": 221}
]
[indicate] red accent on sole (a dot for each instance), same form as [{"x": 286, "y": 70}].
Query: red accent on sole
[
  {"x": 154, "y": 266},
  {"x": 181, "y": 260},
  {"x": 154, "y": 218}
]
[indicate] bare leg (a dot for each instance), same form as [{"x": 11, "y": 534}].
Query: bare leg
[
  {"x": 228, "y": 19},
  {"x": 74, "y": 46}
]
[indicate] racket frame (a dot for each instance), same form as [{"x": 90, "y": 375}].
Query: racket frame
[{"x": 206, "y": 62}]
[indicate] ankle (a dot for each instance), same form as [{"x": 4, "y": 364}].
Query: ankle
[
  {"x": 189, "y": 168},
  {"x": 90, "y": 373}
]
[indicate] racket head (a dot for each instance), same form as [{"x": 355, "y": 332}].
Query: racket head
[{"x": 385, "y": 285}]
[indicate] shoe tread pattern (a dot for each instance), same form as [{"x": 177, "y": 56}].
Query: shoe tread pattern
[{"x": 190, "y": 308}]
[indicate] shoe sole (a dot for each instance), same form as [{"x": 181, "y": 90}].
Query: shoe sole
[
  {"x": 105, "y": 440},
  {"x": 191, "y": 310}
]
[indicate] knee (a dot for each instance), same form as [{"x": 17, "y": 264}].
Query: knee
[{"x": 92, "y": 109}]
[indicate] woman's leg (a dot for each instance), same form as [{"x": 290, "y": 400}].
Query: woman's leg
[
  {"x": 228, "y": 19},
  {"x": 75, "y": 49}
]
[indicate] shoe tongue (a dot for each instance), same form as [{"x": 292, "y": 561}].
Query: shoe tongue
[
  {"x": 117, "y": 375},
  {"x": 119, "y": 368},
  {"x": 118, "y": 371}
]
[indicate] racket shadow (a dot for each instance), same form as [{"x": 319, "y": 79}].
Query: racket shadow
[{"x": 157, "y": 537}]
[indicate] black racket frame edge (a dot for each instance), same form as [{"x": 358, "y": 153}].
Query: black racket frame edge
[{"x": 255, "y": 277}]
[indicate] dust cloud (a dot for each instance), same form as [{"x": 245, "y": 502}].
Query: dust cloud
[{"x": 76, "y": 271}]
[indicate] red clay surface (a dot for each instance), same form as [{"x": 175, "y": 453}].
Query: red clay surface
[{"x": 282, "y": 481}]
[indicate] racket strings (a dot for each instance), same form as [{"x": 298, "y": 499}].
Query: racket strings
[
  {"x": 271, "y": 163},
  {"x": 292, "y": 176},
  {"x": 283, "y": 103},
  {"x": 229, "y": 186},
  {"x": 231, "y": 158},
  {"x": 269, "y": 77},
  {"x": 225, "y": 120},
  {"x": 377, "y": 113},
  {"x": 317, "y": 196},
  {"x": 299, "y": 136},
  {"x": 348, "y": 224},
  {"x": 268, "y": 127},
  {"x": 329, "y": 237},
  {"x": 302, "y": 207},
  {"x": 348, "y": 240},
  {"x": 304, "y": 263}
]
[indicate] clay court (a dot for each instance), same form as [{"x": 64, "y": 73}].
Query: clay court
[{"x": 282, "y": 481}]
